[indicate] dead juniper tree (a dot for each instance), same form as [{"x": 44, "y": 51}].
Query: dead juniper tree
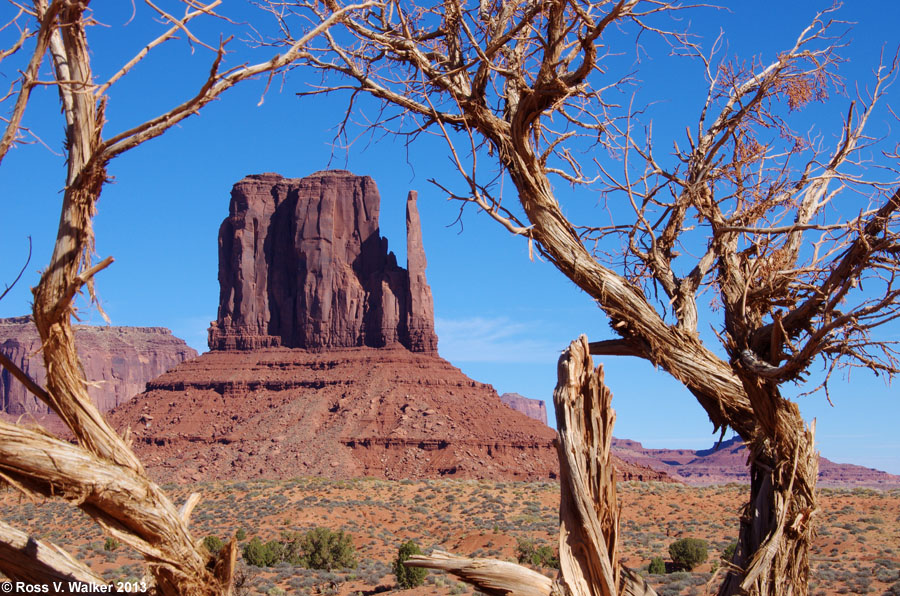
[
  {"x": 795, "y": 250},
  {"x": 101, "y": 475}
]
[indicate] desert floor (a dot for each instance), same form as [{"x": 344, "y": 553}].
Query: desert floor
[{"x": 857, "y": 550}]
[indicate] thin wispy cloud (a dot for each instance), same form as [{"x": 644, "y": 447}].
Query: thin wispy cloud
[{"x": 499, "y": 339}]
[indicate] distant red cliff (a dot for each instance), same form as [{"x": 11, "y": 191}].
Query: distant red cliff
[
  {"x": 118, "y": 362},
  {"x": 533, "y": 408}
]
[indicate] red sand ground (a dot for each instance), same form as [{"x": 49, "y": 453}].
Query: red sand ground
[{"x": 857, "y": 550}]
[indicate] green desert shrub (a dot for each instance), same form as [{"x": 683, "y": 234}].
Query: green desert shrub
[
  {"x": 253, "y": 553},
  {"x": 261, "y": 554},
  {"x": 213, "y": 544},
  {"x": 688, "y": 553},
  {"x": 408, "y": 577},
  {"x": 240, "y": 534},
  {"x": 320, "y": 548},
  {"x": 111, "y": 544},
  {"x": 728, "y": 553},
  {"x": 657, "y": 566},
  {"x": 275, "y": 551},
  {"x": 539, "y": 556},
  {"x": 324, "y": 549}
]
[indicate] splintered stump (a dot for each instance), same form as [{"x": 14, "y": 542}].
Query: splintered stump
[{"x": 588, "y": 512}]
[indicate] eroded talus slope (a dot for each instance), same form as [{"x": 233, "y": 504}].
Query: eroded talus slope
[{"x": 343, "y": 413}]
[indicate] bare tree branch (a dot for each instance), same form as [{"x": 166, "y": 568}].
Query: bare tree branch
[
  {"x": 21, "y": 272},
  {"x": 29, "y": 76},
  {"x": 490, "y": 576},
  {"x": 29, "y": 560}
]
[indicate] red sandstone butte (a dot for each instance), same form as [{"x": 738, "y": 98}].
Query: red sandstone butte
[
  {"x": 118, "y": 362},
  {"x": 348, "y": 412},
  {"x": 324, "y": 358},
  {"x": 302, "y": 265},
  {"x": 352, "y": 412}
]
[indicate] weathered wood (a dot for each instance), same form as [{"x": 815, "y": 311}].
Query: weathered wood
[
  {"x": 780, "y": 564},
  {"x": 588, "y": 511},
  {"x": 123, "y": 501},
  {"x": 102, "y": 475},
  {"x": 34, "y": 561},
  {"x": 490, "y": 576}
]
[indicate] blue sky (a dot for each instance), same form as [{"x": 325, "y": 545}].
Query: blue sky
[{"x": 501, "y": 318}]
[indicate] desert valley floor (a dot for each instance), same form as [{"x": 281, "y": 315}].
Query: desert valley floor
[{"x": 857, "y": 550}]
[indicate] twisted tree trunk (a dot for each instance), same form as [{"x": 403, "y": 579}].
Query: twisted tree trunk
[
  {"x": 588, "y": 511},
  {"x": 776, "y": 528},
  {"x": 772, "y": 557}
]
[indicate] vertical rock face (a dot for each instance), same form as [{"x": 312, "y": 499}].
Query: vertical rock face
[
  {"x": 302, "y": 265},
  {"x": 533, "y": 408},
  {"x": 118, "y": 361}
]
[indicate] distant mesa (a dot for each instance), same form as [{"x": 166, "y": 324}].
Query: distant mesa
[
  {"x": 728, "y": 463},
  {"x": 302, "y": 264},
  {"x": 533, "y": 408},
  {"x": 118, "y": 362}
]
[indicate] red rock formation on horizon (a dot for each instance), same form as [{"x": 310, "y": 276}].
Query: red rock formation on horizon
[
  {"x": 302, "y": 264},
  {"x": 533, "y": 408},
  {"x": 728, "y": 463},
  {"x": 118, "y": 361}
]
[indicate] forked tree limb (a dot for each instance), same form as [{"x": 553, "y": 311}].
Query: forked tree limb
[
  {"x": 33, "y": 561},
  {"x": 588, "y": 511},
  {"x": 29, "y": 77},
  {"x": 843, "y": 274},
  {"x": 103, "y": 476}
]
